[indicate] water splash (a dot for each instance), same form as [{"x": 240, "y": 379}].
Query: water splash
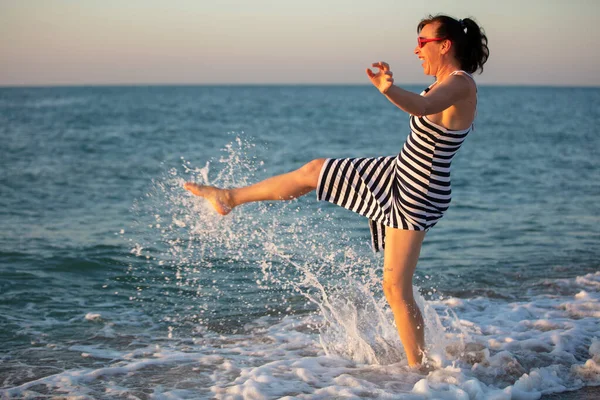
[{"x": 275, "y": 258}]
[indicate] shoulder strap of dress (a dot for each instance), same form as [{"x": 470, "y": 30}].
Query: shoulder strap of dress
[{"x": 464, "y": 72}]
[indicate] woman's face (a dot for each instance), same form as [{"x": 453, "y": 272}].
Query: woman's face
[{"x": 430, "y": 52}]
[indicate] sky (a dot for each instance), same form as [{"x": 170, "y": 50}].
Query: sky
[{"x": 97, "y": 42}]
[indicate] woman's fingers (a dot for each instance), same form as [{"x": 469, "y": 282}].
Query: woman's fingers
[
  {"x": 370, "y": 73},
  {"x": 381, "y": 65}
]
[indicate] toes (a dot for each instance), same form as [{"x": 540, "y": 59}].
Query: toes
[
  {"x": 196, "y": 189},
  {"x": 191, "y": 186}
]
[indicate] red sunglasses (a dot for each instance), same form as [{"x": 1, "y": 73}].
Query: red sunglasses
[{"x": 421, "y": 41}]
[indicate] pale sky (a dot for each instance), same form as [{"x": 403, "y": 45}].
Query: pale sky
[{"x": 75, "y": 42}]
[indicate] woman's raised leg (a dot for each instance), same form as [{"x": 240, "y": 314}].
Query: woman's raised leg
[
  {"x": 281, "y": 187},
  {"x": 402, "y": 249}
]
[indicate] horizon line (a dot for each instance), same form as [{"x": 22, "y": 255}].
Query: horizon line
[{"x": 288, "y": 84}]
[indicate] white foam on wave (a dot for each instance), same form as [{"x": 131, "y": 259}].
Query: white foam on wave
[
  {"x": 507, "y": 357},
  {"x": 93, "y": 316}
]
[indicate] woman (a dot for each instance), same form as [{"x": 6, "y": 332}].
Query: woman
[{"x": 405, "y": 195}]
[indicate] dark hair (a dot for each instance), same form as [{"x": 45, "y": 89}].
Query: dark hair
[{"x": 468, "y": 39}]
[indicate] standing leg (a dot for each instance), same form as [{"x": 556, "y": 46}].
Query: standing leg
[
  {"x": 281, "y": 187},
  {"x": 402, "y": 248}
]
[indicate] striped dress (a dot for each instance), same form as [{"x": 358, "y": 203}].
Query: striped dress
[{"x": 408, "y": 191}]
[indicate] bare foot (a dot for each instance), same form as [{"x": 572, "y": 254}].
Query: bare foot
[
  {"x": 219, "y": 198},
  {"x": 422, "y": 368}
]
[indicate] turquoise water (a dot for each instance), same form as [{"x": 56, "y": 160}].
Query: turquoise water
[{"x": 114, "y": 282}]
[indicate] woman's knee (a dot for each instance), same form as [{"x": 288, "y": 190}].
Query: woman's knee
[
  {"x": 397, "y": 293},
  {"x": 311, "y": 171}
]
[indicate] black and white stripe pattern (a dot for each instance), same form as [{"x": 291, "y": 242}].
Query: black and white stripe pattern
[{"x": 408, "y": 191}]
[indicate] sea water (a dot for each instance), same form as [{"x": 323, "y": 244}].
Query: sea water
[{"x": 115, "y": 283}]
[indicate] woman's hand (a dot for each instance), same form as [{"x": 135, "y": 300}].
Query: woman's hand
[{"x": 383, "y": 79}]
